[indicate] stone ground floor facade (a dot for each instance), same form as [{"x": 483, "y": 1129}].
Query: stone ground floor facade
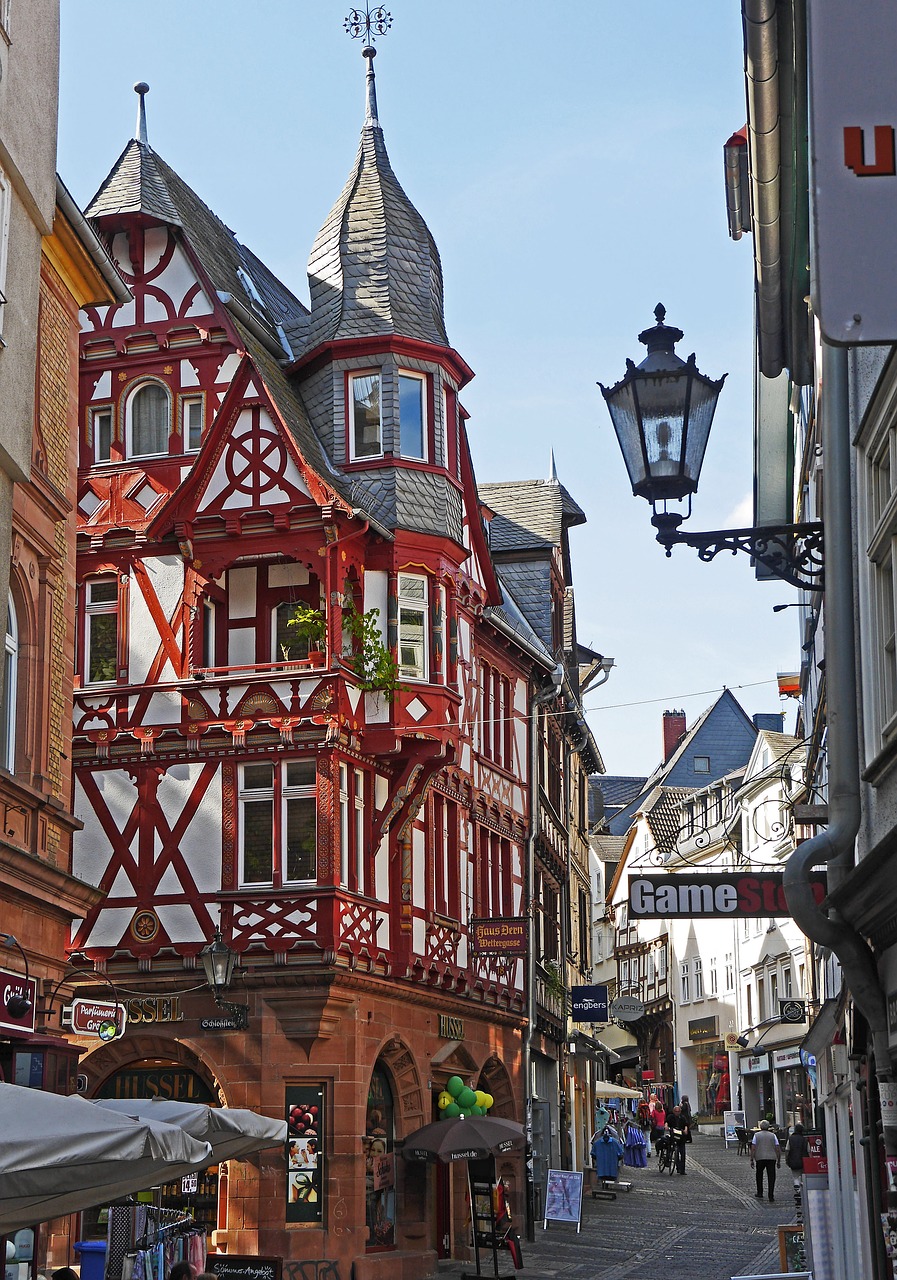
[{"x": 355, "y": 1066}]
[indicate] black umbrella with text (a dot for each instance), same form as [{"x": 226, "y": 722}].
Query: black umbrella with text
[{"x": 463, "y": 1138}]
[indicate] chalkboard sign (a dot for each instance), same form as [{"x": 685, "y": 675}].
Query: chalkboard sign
[
  {"x": 563, "y": 1197},
  {"x": 233, "y": 1266},
  {"x": 792, "y": 1250}
]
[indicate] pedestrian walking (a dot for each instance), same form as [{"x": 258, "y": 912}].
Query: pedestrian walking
[
  {"x": 678, "y": 1133},
  {"x": 795, "y": 1149},
  {"x": 685, "y": 1107},
  {"x": 765, "y": 1154},
  {"x": 658, "y": 1120}
]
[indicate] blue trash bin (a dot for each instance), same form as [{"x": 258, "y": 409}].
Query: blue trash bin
[{"x": 92, "y": 1256}]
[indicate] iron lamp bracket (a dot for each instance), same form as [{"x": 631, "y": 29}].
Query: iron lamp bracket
[{"x": 793, "y": 552}]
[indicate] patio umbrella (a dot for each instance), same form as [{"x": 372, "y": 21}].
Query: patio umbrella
[
  {"x": 232, "y": 1132},
  {"x": 464, "y": 1138},
  {"x": 59, "y": 1155},
  {"x": 604, "y": 1089}
]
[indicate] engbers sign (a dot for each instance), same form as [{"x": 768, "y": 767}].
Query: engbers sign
[{"x": 736, "y": 894}]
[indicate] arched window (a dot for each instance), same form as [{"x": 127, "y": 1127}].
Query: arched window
[
  {"x": 149, "y": 420},
  {"x": 10, "y": 690}
]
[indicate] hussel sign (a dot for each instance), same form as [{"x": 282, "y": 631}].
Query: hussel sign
[{"x": 736, "y": 894}]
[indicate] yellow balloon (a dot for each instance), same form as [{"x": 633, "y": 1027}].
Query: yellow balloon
[
  {"x": 489, "y": 1101},
  {"x": 443, "y": 1100},
  {"x": 481, "y": 1098}
]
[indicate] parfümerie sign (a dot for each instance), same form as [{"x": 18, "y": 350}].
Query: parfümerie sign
[{"x": 736, "y": 894}]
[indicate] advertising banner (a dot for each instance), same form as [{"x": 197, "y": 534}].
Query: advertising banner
[
  {"x": 305, "y": 1120},
  {"x": 734, "y": 895}
]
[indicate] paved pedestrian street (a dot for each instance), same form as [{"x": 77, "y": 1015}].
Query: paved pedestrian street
[{"x": 706, "y": 1225}]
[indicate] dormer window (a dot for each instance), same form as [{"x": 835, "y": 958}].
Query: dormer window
[
  {"x": 366, "y": 438},
  {"x": 412, "y": 416},
  {"x": 148, "y": 420}
]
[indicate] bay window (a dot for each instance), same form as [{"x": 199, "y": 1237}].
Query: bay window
[
  {"x": 412, "y": 416},
  {"x": 366, "y": 430},
  {"x": 412, "y": 619}
]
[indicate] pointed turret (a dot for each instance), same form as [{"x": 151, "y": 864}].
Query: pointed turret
[{"x": 374, "y": 267}]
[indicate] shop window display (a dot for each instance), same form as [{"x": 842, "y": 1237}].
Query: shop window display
[
  {"x": 380, "y": 1168},
  {"x": 713, "y": 1080}
]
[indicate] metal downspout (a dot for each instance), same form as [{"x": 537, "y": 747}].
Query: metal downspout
[{"x": 835, "y": 845}]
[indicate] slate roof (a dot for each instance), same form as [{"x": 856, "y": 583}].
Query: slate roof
[
  {"x": 529, "y": 514},
  {"x": 617, "y": 789},
  {"x": 664, "y": 816},
  {"x": 374, "y": 267},
  {"x": 134, "y": 185},
  {"x": 509, "y": 617}
]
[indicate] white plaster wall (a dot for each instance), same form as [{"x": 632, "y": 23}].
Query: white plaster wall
[
  {"x": 200, "y": 844},
  {"x": 381, "y": 871},
  {"x": 166, "y": 576},
  {"x": 164, "y": 708},
  {"x": 241, "y": 646},
  {"x": 177, "y": 280},
  {"x": 287, "y": 575},
  {"x": 241, "y": 592},
  {"x": 180, "y": 922},
  {"x": 110, "y": 927},
  {"x": 103, "y": 388},
  {"x": 90, "y": 846},
  {"x": 376, "y": 586},
  {"x": 419, "y": 936},
  {"x": 418, "y": 868},
  {"x": 228, "y": 368}
]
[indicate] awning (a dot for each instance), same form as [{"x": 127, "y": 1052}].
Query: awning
[
  {"x": 60, "y": 1155},
  {"x": 825, "y": 1027},
  {"x": 232, "y": 1132}
]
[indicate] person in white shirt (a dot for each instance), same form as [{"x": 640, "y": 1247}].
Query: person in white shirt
[{"x": 765, "y": 1154}]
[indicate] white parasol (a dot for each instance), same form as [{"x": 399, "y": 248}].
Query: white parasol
[
  {"x": 232, "y": 1131},
  {"x": 604, "y": 1089},
  {"x": 59, "y": 1155}
]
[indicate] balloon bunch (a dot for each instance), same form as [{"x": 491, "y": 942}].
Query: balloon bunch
[{"x": 457, "y": 1099}]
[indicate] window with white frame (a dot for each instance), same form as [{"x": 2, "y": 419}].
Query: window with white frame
[
  {"x": 101, "y": 423},
  {"x": 101, "y": 630},
  {"x": 712, "y": 977},
  {"x": 698, "y": 974},
  {"x": 351, "y": 826},
  {"x": 148, "y": 420},
  {"x": 344, "y": 830},
  {"x": 10, "y": 690},
  {"x": 730, "y": 971},
  {"x": 278, "y": 823},
  {"x": 412, "y": 620},
  {"x": 624, "y": 976},
  {"x": 787, "y": 982},
  {"x": 684, "y": 983},
  {"x": 192, "y": 420},
  {"x": 365, "y": 427},
  {"x": 662, "y": 961},
  {"x": 878, "y": 599},
  {"x": 412, "y": 416}
]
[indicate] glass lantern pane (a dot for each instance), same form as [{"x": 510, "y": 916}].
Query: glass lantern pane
[{"x": 703, "y": 405}]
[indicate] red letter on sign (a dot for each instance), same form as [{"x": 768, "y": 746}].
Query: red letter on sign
[{"x": 854, "y": 152}]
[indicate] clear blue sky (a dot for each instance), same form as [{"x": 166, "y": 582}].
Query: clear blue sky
[{"x": 568, "y": 160}]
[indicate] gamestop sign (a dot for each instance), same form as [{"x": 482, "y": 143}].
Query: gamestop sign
[{"x": 736, "y": 894}]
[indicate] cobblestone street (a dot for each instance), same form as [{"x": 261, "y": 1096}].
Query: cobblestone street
[{"x": 704, "y": 1226}]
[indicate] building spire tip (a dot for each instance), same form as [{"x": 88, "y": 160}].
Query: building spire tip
[{"x": 141, "y": 88}]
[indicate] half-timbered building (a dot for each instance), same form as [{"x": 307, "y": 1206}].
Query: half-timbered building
[{"x": 302, "y": 709}]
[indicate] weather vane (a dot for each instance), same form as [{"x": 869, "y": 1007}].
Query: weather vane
[{"x": 368, "y": 22}]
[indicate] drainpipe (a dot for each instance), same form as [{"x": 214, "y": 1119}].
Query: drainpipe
[
  {"x": 835, "y": 845},
  {"x": 539, "y": 698}
]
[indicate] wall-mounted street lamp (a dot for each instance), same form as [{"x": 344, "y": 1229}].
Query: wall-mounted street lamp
[
  {"x": 17, "y": 1004},
  {"x": 218, "y": 961},
  {"x": 662, "y": 411}
]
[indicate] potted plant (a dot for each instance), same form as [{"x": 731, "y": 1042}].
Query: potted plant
[
  {"x": 310, "y": 626},
  {"x": 370, "y": 659}
]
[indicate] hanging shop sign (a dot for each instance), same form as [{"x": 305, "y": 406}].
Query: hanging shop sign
[
  {"x": 503, "y": 936},
  {"x": 589, "y": 1004},
  {"x": 703, "y": 1029},
  {"x": 96, "y": 1017},
  {"x": 853, "y": 168},
  {"x": 792, "y": 1011},
  {"x": 626, "y": 1009},
  {"x": 305, "y": 1121},
  {"x": 18, "y": 1000},
  {"x": 733, "y": 895}
]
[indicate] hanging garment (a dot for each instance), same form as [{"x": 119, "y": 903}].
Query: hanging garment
[
  {"x": 606, "y": 1152},
  {"x": 635, "y": 1153}
]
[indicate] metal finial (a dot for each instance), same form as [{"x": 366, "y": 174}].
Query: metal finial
[
  {"x": 660, "y": 313},
  {"x": 368, "y": 23},
  {"x": 141, "y": 88}
]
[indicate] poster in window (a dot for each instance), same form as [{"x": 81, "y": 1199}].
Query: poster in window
[{"x": 305, "y": 1120}]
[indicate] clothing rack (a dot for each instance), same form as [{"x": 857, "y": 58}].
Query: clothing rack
[{"x": 144, "y": 1241}]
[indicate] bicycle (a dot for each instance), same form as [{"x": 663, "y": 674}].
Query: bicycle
[{"x": 665, "y": 1161}]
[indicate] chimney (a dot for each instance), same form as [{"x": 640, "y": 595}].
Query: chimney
[
  {"x": 673, "y": 732},
  {"x": 773, "y": 721}
]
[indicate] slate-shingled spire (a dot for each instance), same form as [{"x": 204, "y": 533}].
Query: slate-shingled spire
[{"x": 374, "y": 267}]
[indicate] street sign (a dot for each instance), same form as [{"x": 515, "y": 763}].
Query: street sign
[
  {"x": 589, "y": 1004},
  {"x": 103, "y": 1018},
  {"x": 626, "y": 1009}
]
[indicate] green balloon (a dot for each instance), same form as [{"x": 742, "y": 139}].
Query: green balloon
[
  {"x": 466, "y": 1098},
  {"x": 451, "y": 1111},
  {"x": 454, "y": 1085},
  {"x": 477, "y": 1111}
]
